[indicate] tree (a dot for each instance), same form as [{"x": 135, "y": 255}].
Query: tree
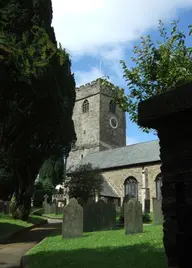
[
  {"x": 85, "y": 182},
  {"x": 158, "y": 67},
  {"x": 37, "y": 95},
  {"x": 7, "y": 183},
  {"x": 53, "y": 168}
]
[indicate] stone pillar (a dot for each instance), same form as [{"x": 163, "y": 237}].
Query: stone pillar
[
  {"x": 145, "y": 197},
  {"x": 171, "y": 115}
]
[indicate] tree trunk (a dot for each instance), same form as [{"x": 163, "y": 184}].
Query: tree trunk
[
  {"x": 21, "y": 200},
  {"x": 21, "y": 205}
]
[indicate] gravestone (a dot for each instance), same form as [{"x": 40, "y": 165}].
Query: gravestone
[
  {"x": 45, "y": 200},
  {"x": 72, "y": 220},
  {"x": 133, "y": 221},
  {"x": 99, "y": 216},
  {"x": 157, "y": 211},
  {"x": 121, "y": 217}
]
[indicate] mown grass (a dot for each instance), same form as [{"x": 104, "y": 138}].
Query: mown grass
[
  {"x": 53, "y": 216},
  {"x": 103, "y": 249},
  {"x": 8, "y": 225}
]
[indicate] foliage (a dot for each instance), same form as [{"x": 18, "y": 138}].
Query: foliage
[
  {"x": 42, "y": 188},
  {"x": 7, "y": 183},
  {"x": 53, "y": 169},
  {"x": 147, "y": 218},
  {"x": 158, "y": 67},
  {"x": 37, "y": 95},
  {"x": 84, "y": 182}
]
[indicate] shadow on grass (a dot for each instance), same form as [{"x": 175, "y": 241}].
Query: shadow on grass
[
  {"x": 136, "y": 256},
  {"x": 34, "y": 235},
  {"x": 8, "y": 228}
]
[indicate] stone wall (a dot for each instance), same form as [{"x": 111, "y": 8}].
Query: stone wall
[{"x": 117, "y": 177}]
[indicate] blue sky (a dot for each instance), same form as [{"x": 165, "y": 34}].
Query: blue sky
[{"x": 98, "y": 34}]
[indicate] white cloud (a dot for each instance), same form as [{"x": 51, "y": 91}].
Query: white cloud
[
  {"x": 83, "y": 77},
  {"x": 87, "y": 27}
]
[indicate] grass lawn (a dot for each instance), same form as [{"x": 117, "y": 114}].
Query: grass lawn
[
  {"x": 104, "y": 249},
  {"x": 53, "y": 216},
  {"x": 8, "y": 225}
]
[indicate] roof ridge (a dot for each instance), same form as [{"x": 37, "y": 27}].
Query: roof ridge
[{"x": 117, "y": 148}]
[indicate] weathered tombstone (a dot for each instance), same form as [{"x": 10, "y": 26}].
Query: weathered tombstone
[
  {"x": 72, "y": 220},
  {"x": 99, "y": 216},
  {"x": 121, "y": 218},
  {"x": 157, "y": 211},
  {"x": 47, "y": 208},
  {"x": 45, "y": 200},
  {"x": 46, "y": 205},
  {"x": 133, "y": 221}
]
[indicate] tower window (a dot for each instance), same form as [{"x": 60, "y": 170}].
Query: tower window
[
  {"x": 112, "y": 107},
  {"x": 85, "y": 107},
  {"x": 82, "y": 156},
  {"x": 84, "y": 131}
]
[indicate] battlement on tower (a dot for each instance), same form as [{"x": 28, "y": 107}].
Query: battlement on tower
[{"x": 91, "y": 89}]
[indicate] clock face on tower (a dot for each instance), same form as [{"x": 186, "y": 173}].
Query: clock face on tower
[{"x": 113, "y": 122}]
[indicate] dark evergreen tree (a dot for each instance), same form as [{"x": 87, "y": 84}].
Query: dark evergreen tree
[
  {"x": 53, "y": 168},
  {"x": 37, "y": 95}
]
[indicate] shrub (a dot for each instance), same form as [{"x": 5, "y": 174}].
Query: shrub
[{"x": 146, "y": 217}]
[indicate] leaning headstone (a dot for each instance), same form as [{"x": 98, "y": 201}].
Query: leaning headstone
[
  {"x": 72, "y": 220},
  {"x": 157, "y": 211},
  {"x": 133, "y": 221}
]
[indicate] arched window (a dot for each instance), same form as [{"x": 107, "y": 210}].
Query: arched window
[
  {"x": 158, "y": 182},
  {"x": 131, "y": 187},
  {"x": 112, "y": 107},
  {"x": 85, "y": 106}
]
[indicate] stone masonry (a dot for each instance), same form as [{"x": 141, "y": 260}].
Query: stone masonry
[
  {"x": 93, "y": 130},
  {"x": 118, "y": 176}
]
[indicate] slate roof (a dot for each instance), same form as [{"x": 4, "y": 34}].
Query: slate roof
[
  {"x": 144, "y": 152},
  {"x": 108, "y": 190}
]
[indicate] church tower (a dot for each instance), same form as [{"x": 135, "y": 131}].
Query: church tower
[{"x": 99, "y": 123}]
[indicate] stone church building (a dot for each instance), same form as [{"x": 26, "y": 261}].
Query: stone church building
[{"x": 101, "y": 141}]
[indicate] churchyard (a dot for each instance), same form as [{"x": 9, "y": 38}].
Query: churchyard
[{"x": 90, "y": 238}]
